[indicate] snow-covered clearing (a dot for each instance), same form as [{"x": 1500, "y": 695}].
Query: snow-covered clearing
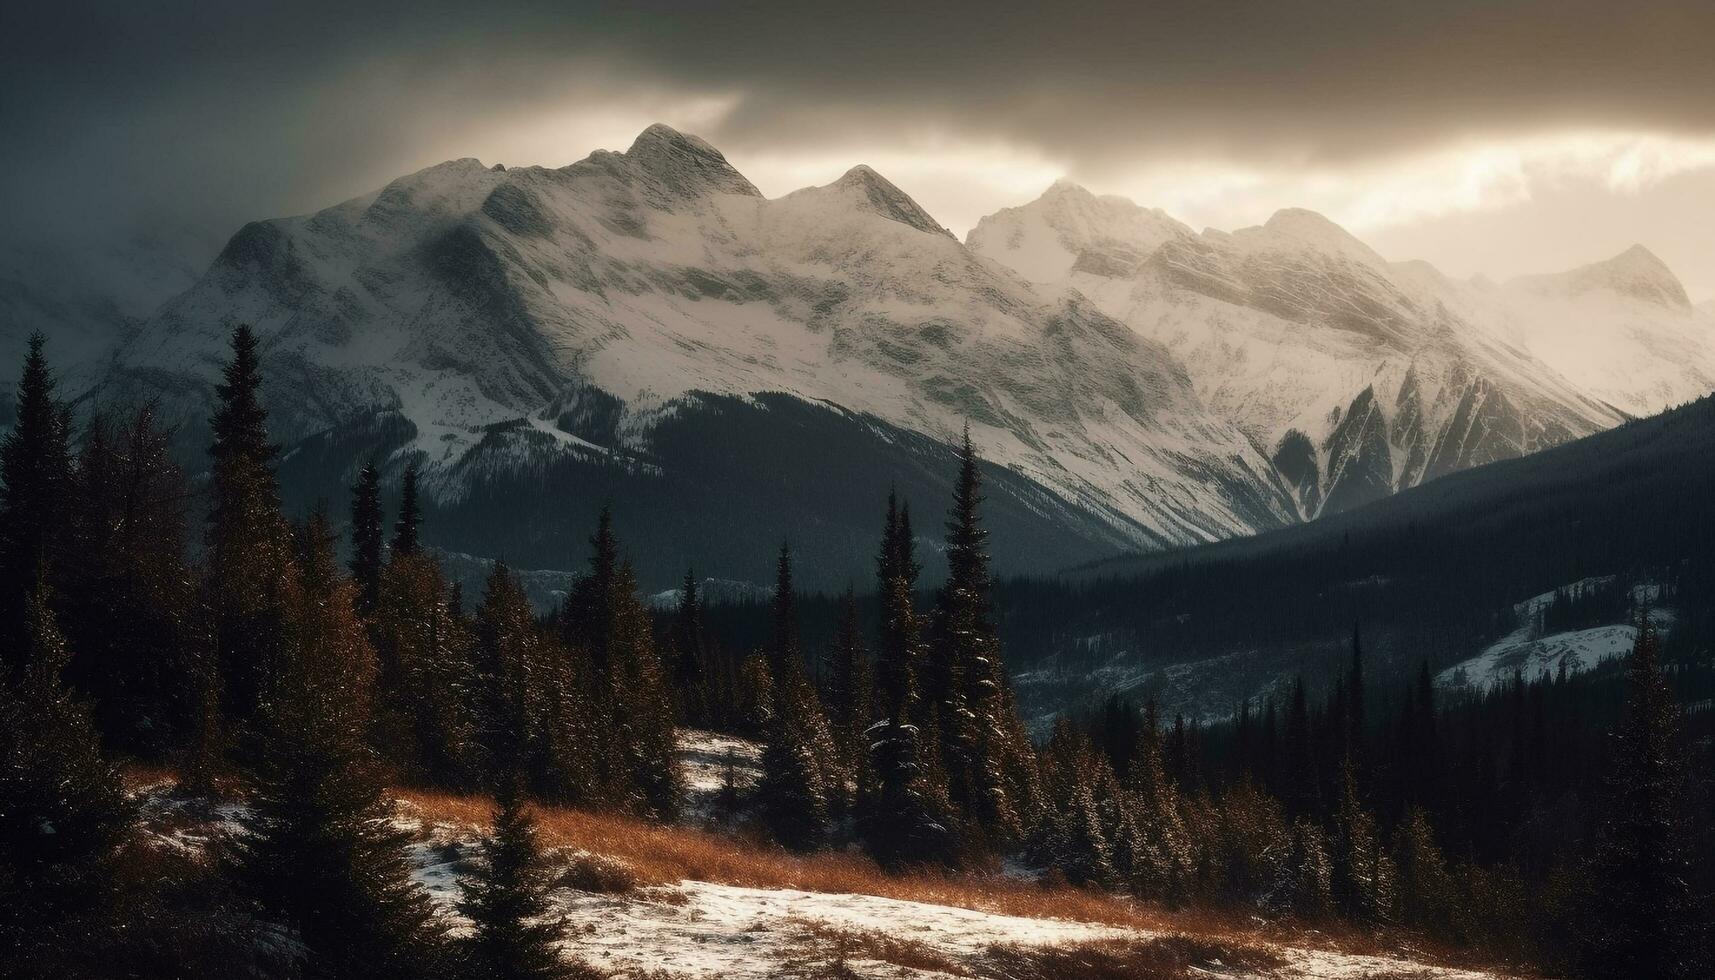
[
  {"x": 704, "y": 757},
  {"x": 694, "y": 929},
  {"x": 1534, "y": 657}
]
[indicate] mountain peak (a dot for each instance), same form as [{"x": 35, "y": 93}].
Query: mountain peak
[
  {"x": 687, "y": 164},
  {"x": 878, "y": 195},
  {"x": 1636, "y": 273},
  {"x": 1317, "y": 230}
]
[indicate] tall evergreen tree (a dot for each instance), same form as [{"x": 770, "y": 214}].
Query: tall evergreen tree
[
  {"x": 849, "y": 693},
  {"x": 366, "y": 546},
  {"x": 35, "y": 484},
  {"x": 1301, "y": 797},
  {"x": 629, "y": 686},
  {"x": 248, "y": 546},
  {"x": 1644, "y": 920},
  {"x": 793, "y": 795},
  {"x": 506, "y": 899},
  {"x": 897, "y": 660},
  {"x": 426, "y": 720},
  {"x": 690, "y": 654},
  {"x": 129, "y": 600},
  {"x": 63, "y": 813},
  {"x": 410, "y": 519},
  {"x": 319, "y": 851},
  {"x": 904, "y": 818},
  {"x": 980, "y": 742}
]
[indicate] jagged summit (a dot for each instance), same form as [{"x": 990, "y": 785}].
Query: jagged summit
[
  {"x": 1069, "y": 229},
  {"x": 685, "y": 163},
  {"x": 1636, "y": 273},
  {"x": 872, "y": 192},
  {"x": 1303, "y": 226}
]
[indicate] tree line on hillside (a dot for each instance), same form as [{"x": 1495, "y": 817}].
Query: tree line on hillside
[{"x": 298, "y": 687}]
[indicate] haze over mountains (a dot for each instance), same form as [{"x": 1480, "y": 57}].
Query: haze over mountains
[
  {"x": 1358, "y": 375},
  {"x": 646, "y": 327}
]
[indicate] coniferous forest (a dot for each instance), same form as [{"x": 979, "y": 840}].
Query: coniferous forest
[{"x": 292, "y": 670}]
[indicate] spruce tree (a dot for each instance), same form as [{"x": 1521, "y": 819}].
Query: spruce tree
[
  {"x": 319, "y": 851},
  {"x": 248, "y": 546},
  {"x": 849, "y": 694},
  {"x": 629, "y": 686},
  {"x": 1643, "y": 918},
  {"x": 1305, "y": 887},
  {"x": 506, "y": 899},
  {"x": 791, "y": 795},
  {"x": 426, "y": 720},
  {"x": 794, "y": 793},
  {"x": 1363, "y": 879},
  {"x": 63, "y": 814},
  {"x": 129, "y": 600},
  {"x": 897, "y": 660},
  {"x": 35, "y": 485},
  {"x": 410, "y": 519},
  {"x": 366, "y": 546},
  {"x": 968, "y": 685},
  {"x": 690, "y": 654}
]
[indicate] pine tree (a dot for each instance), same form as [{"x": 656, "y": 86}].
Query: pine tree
[
  {"x": 63, "y": 813},
  {"x": 690, "y": 654},
  {"x": 366, "y": 544},
  {"x": 896, "y": 689},
  {"x": 506, "y": 899},
  {"x": 1301, "y": 797},
  {"x": 426, "y": 722},
  {"x": 405, "y": 527},
  {"x": 1643, "y": 919},
  {"x": 628, "y": 685},
  {"x": 35, "y": 469},
  {"x": 319, "y": 851},
  {"x": 849, "y": 695},
  {"x": 1305, "y": 888},
  {"x": 1426, "y": 891},
  {"x": 968, "y": 686},
  {"x": 1363, "y": 879},
  {"x": 129, "y": 600},
  {"x": 1162, "y": 868},
  {"x": 793, "y": 795},
  {"x": 248, "y": 546}
]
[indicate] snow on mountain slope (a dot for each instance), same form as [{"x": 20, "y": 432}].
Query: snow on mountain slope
[
  {"x": 1530, "y": 654},
  {"x": 1621, "y": 330},
  {"x": 1363, "y": 376},
  {"x": 467, "y": 298}
]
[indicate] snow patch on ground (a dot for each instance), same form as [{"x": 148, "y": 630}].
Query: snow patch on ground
[
  {"x": 1536, "y": 657},
  {"x": 703, "y": 759}
]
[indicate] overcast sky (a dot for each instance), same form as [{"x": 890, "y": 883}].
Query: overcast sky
[{"x": 1484, "y": 136}]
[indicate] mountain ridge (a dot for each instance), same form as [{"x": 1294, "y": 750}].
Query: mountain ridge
[{"x": 1292, "y": 328}]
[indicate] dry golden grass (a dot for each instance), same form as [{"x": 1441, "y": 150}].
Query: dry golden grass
[
  {"x": 838, "y": 946},
  {"x": 663, "y": 855},
  {"x": 1176, "y": 957}
]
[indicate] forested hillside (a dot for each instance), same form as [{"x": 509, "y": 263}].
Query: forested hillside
[{"x": 290, "y": 679}]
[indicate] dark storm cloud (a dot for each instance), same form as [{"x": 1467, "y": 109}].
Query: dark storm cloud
[{"x": 214, "y": 112}]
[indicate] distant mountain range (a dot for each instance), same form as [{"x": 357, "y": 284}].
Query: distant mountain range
[
  {"x": 645, "y": 328},
  {"x": 1361, "y": 376}
]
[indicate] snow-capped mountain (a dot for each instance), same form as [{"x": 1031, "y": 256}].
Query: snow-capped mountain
[
  {"x": 617, "y": 314},
  {"x": 1358, "y": 375}
]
